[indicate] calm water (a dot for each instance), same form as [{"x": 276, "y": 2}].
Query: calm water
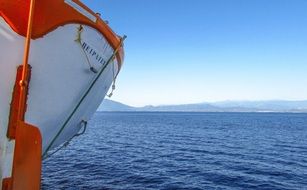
[{"x": 184, "y": 151}]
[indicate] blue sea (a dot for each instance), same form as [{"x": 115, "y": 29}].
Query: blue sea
[{"x": 137, "y": 150}]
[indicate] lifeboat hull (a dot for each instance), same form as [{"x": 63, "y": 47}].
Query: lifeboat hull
[{"x": 66, "y": 59}]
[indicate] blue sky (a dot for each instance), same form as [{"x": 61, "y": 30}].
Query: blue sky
[{"x": 181, "y": 51}]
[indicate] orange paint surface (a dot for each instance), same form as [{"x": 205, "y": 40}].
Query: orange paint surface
[
  {"x": 51, "y": 14},
  {"x": 26, "y": 174},
  {"x": 13, "y": 119}
]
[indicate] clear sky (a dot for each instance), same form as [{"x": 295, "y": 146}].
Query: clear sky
[{"x": 189, "y": 51}]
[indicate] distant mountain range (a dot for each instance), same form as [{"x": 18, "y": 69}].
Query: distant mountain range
[{"x": 224, "y": 106}]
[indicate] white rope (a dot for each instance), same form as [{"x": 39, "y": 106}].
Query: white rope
[{"x": 78, "y": 40}]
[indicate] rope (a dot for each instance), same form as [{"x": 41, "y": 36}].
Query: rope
[
  {"x": 78, "y": 40},
  {"x": 113, "y": 85},
  {"x": 64, "y": 145},
  {"x": 85, "y": 95}
]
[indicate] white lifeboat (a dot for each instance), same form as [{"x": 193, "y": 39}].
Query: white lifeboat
[{"x": 73, "y": 57}]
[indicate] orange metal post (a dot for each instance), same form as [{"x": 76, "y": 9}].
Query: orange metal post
[{"x": 23, "y": 82}]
